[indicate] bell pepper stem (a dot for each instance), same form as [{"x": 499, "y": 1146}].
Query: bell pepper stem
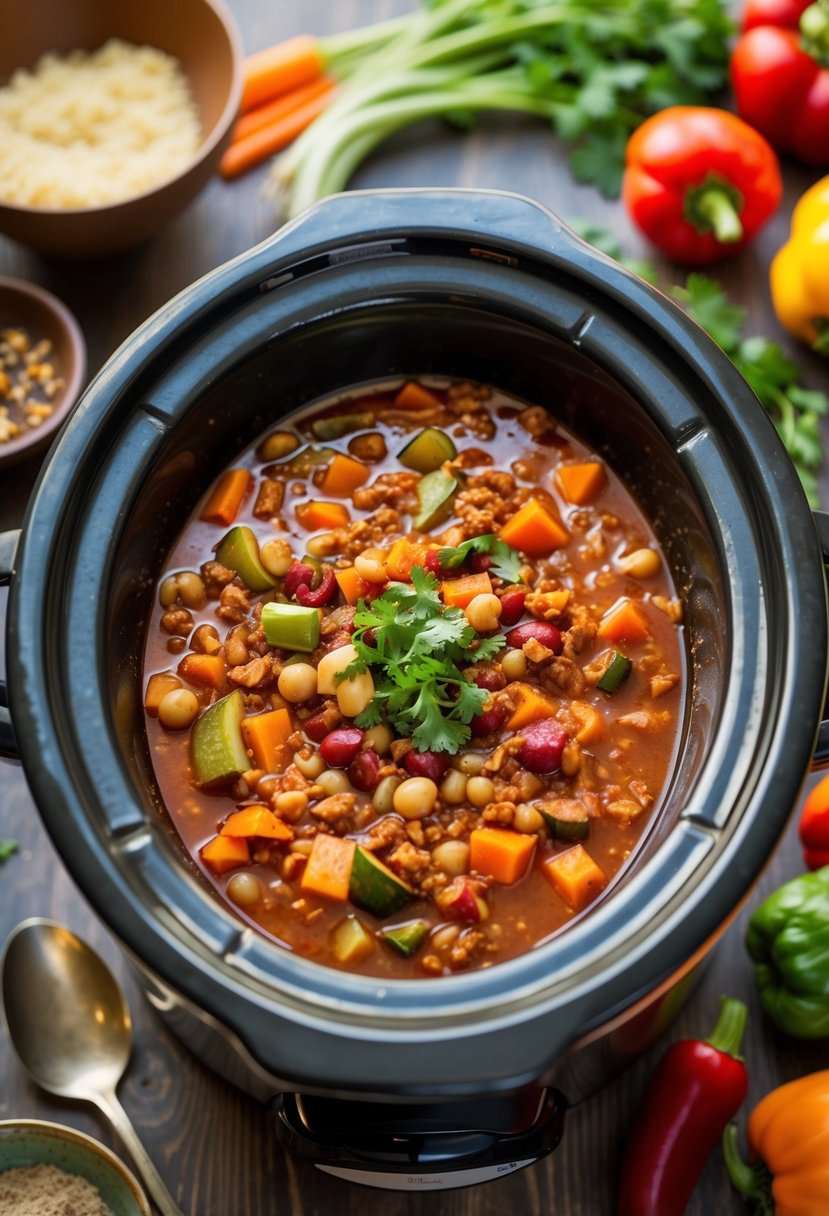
[
  {"x": 715, "y": 207},
  {"x": 750, "y": 1181},
  {"x": 814, "y": 31},
  {"x": 728, "y": 1032}
]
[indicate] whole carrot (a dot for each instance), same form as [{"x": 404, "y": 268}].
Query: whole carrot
[
  {"x": 273, "y": 111},
  {"x": 280, "y": 69},
  {"x": 288, "y": 120}
]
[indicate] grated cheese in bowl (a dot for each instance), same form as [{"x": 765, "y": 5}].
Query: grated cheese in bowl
[{"x": 95, "y": 128}]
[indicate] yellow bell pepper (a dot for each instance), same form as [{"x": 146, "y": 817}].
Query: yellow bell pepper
[
  {"x": 799, "y": 274},
  {"x": 788, "y": 1131}
]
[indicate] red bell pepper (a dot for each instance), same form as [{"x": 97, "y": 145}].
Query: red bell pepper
[
  {"x": 700, "y": 182},
  {"x": 698, "y": 1086},
  {"x": 814, "y": 827},
  {"x": 780, "y": 75}
]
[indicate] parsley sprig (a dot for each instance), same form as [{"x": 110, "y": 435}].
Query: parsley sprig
[
  {"x": 7, "y": 849},
  {"x": 506, "y": 561},
  {"x": 416, "y": 646}
]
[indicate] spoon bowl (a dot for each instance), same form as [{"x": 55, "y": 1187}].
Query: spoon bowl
[{"x": 70, "y": 1025}]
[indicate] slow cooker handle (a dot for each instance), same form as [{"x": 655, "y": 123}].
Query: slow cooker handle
[
  {"x": 820, "y": 759},
  {"x": 8, "y": 745}
]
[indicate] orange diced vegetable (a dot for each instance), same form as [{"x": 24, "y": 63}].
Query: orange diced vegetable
[
  {"x": 534, "y": 530},
  {"x": 414, "y": 396},
  {"x": 576, "y": 877},
  {"x": 459, "y": 592},
  {"x": 591, "y": 722},
  {"x": 225, "y": 853},
  {"x": 343, "y": 476},
  {"x": 402, "y": 556},
  {"x": 280, "y": 69},
  {"x": 256, "y": 821},
  {"x": 328, "y": 871},
  {"x": 580, "y": 483},
  {"x": 265, "y": 736},
  {"x": 322, "y": 515},
  {"x": 226, "y": 497},
  {"x": 352, "y": 586},
  {"x": 207, "y": 670},
  {"x": 531, "y": 705},
  {"x": 502, "y": 854},
  {"x": 157, "y": 688},
  {"x": 624, "y": 622}
]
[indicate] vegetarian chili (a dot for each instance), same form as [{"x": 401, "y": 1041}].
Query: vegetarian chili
[{"x": 414, "y": 680}]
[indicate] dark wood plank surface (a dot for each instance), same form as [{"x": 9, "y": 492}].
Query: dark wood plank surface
[{"x": 215, "y": 1146}]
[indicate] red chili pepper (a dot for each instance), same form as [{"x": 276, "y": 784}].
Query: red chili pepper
[
  {"x": 700, "y": 182},
  {"x": 814, "y": 827},
  {"x": 316, "y": 599},
  {"x": 780, "y": 75},
  {"x": 697, "y": 1087}
]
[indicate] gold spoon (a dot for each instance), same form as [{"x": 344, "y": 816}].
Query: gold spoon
[{"x": 69, "y": 1023}]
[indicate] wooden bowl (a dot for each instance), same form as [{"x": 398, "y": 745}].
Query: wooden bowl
[
  {"x": 43, "y": 316},
  {"x": 201, "y": 34}
]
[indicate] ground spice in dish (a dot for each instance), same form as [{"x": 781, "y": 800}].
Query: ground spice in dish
[
  {"x": 28, "y": 382},
  {"x": 46, "y": 1190}
]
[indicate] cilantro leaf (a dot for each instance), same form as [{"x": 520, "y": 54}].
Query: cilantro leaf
[
  {"x": 7, "y": 848},
  {"x": 506, "y": 561}
]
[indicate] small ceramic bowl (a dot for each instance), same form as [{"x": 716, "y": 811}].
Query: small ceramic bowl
[
  {"x": 28, "y": 1142},
  {"x": 202, "y": 35},
  {"x": 42, "y": 315}
]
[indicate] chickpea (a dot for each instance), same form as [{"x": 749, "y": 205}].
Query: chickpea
[
  {"x": 276, "y": 557},
  {"x": 177, "y": 709},
  {"x": 206, "y": 640},
  {"x": 310, "y": 766},
  {"x": 333, "y": 781},
  {"x": 484, "y": 612},
  {"x": 236, "y": 646},
  {"x": 514, "y": 664},
  {"x": 297, "y": 682},
  {"x": 527, "y": 819},
  {"x": 324, "y": 545},
  {"x": 371, "y": 565},
  {"x": 330, "y": 666},
  {"x": 480, "y": 791},
  {"x": 168, "y": 591},
  {"x": 276, "y": 445},
  {"x": 244, "y": 889},
  {"x": 445, "y": 937},
  {"x": 470, "y": 763},
  {"x": 452, "y": 856},
  {"x": 191, "y": 589},
  {"x": 291, "y": 804},
  {"x": 355, "y": 695},
  {"x": 378, "y": 738},
  {"x": 642, "y": 563},
  {"x": 415, "y": 797},
  {"x": 383, "y": 800},
  {"x": 453, "y": 787}
]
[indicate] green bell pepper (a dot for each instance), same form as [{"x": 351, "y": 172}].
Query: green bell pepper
[{"x": 788, "y": 939}]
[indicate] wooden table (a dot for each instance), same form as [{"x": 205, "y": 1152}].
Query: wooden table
[{"x": 215, "y": 1146}]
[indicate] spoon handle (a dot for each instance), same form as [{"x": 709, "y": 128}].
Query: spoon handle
[{"x": 118, "y": 1117}]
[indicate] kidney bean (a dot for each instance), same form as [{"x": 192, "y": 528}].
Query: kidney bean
[
  {"x": 364, "y": 771},
  {"x": 542, "y": 747},
  {"x": 431, "y": 562},
  {"x": 297, "y": 574},
  {"x": 320, "y": 725},
  {"x": 426, "y": 764},
  {"x": 512, "y": 605},
  {"x": 459, "y": 902},
  {"x": 323, "y": 594},
  {"x": 489, "y": 721},
  {"x": 340, "y": 746},
  {"x": 490, "y": 678},
  {"x": 479, "y": 563},
  {"x": 542, "y": 631}
]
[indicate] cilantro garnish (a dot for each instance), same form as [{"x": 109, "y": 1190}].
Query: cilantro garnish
[
  {"x": 7, "y": 847},
  {"x": 506, "y": 561},
  {"x": 416, "y": 651}
]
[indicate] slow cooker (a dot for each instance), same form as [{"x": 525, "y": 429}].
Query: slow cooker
[{"x": 448, "y": 1081}]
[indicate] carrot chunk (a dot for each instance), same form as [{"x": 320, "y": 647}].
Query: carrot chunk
[
  {"x": 328, "y": 871},
  {"x": 502, "y": 854},
  {"x": 581, "y": 483},
  {"x": 531, "y": 705},
  {"x": 343, "y": 476},
  {"x": 225, "y": 853},
  {"x": 157, "y": 688},
  {"x": 590, "y": 722},
  {"x": 322, "y": 515},
  {"x": 226, "y": 497},
  {"x": 352, "y": 586},
  {"x": 413, "y": 396},
  {"x": 256, "y": 821},
  {"x": 576, "y": 877},
  {"x": 402, "y": 556},
  {"x": 266, "y": 735},
  {"x": 206, "y": 670},
  {"x": 624, "y": 622},
  {"x": 280, "y": 69},
  {"x": 534, "y": 530},
  {"x": 458, "y": 592}
]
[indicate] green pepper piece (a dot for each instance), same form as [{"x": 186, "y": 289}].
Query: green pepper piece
[
  {"x": 616, "y": 672},
  {"x": 428, "y": 450},
  {"x": 239, "y": 551},
  {"x": 406, "y": 939},
  {"x": 435, "y": 492},
  {"x": 291, "y": 626},
  {"x": 341, "y": 424},
  {"x": 306, "y": 460},
  {"x": 218, "y": 749},
  {"x": 788, "y": 939}
]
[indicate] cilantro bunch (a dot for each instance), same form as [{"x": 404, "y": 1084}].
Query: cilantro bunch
[
  {"x": 505, "y": 561},
  {"x": 416, "y": 646}
]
